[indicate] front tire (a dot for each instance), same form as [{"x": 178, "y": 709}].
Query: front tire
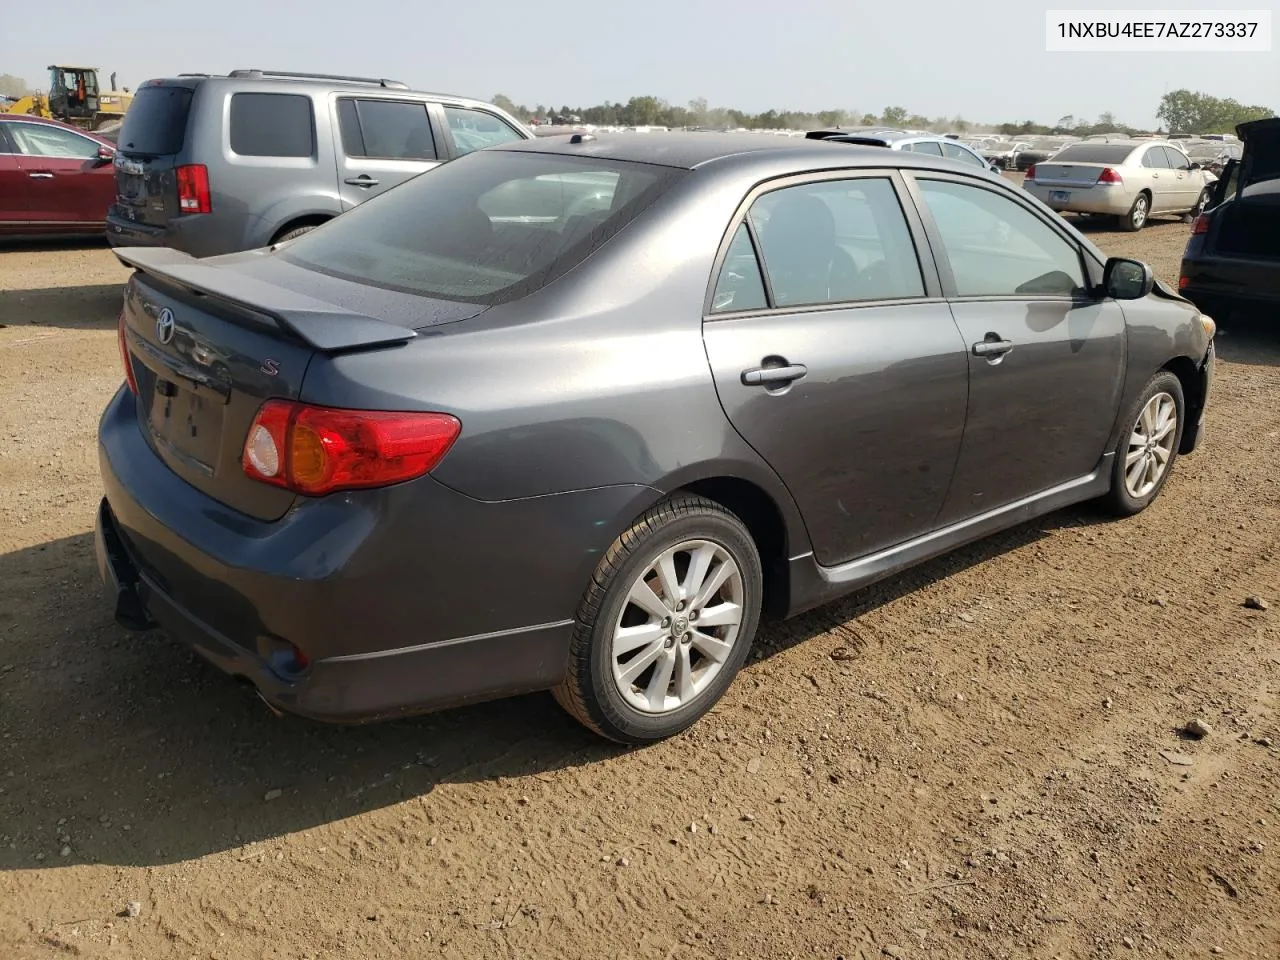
[
  {"x": 666, "y": 623},
  {"x": 1138, "y": 214},
  {"x": 1148, "y": 447}
]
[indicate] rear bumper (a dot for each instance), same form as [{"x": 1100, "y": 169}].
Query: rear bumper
[
  {"x": 189, "y": 234},
  {"x": 405, "y": 600},
  {"x": 1214, "y": 283},
  {"x": 1083, "y": 198}
]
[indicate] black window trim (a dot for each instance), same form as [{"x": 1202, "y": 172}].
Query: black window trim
[
  {"x": 357, "y": 97},
  {"x": 933, "y": 289},
  {"x": 1090, "y": 267}
]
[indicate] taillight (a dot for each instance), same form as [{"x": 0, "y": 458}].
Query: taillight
[
  {"x": 124, "y": 354},
  {"x": 317, "y": 450},
  {"x": 1201, "y": 225},
  {"x": 1110, "y": 176},
  {"x": 1183, "y": 282},
  {"x": 1031, "y": 172},
  {"x": 193, "y": 189}
]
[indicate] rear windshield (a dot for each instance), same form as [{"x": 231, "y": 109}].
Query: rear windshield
[
  {"x": 156, "y": 123},
  {"x": 1094, "y": 153},
  {"x": 489, "y": 227}
]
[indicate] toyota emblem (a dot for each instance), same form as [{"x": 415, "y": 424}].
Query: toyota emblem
[{"x": 164, "y": 326}]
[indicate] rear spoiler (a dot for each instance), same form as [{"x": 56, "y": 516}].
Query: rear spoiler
[{"x": 322, "y": 326}]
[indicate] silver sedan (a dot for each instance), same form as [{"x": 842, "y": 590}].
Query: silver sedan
[{"x": 1132, "y": 180}]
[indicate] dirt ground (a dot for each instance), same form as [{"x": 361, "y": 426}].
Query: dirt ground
[{"x": 978, "y": 759}]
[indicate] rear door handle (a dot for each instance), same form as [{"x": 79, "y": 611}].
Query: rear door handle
[
  {"x": 40, "y": 176},
  {"x": 364, "y": 180},
  {"x": 763, "y": 376},
  {"x": 992, "y": 347}
]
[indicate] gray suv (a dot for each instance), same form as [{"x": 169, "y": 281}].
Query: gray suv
[{"x": 216, "y": 164}]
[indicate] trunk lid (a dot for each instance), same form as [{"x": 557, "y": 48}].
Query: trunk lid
[
  {"x": 208, "y": 345},
  {"x": 152, "y": 136},
  {"x": 1260, "y": 160}
]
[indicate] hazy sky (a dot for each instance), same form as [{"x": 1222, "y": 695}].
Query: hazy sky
[{"x": 982, "y": 59}]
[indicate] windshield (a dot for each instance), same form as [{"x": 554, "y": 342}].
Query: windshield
[
  {"x": 489, "y": 227},
  {"x": 1210, "y": 149},
  {"x": 1094, "y": 153}
]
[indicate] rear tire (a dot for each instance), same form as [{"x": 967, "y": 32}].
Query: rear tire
[
  {"x": 1137, "y": 216},
  {"x": 295, "y": 232},
  {"x": 642, "y": 665},
  {"x": 1148, "y": 445}
]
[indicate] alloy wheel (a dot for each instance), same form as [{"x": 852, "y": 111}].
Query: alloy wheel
[
  {"x": 678, "y": 626},
  {"x": 1140, "y": 209},
  {"x": 1151, "y": 445}
]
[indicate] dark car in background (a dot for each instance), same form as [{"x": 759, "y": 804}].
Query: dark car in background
[
  {"x": 574, "y": 413},
  {"x": 215, "y": 164},
  {"x": 1232, "y": 259},
  {"x": 55, "y": 179}
]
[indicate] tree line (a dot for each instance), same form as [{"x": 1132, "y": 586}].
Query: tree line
[{"x": 1181, "y": 111}]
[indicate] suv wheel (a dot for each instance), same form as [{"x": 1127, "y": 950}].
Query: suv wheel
[{"x": 295, "y": 232}]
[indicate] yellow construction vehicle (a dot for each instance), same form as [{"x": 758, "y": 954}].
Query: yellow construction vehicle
[{"x": 75, "y": 97}]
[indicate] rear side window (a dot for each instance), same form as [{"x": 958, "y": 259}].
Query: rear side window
[
  {"x": 929, "y": 147},
  {"x": 1155, "y": 158},
  {"x": 475, "y": 129},
  {"x": 486, "y": 228},
  {"x": 740, "y": 286},
  {"x": 156, "y": 123},
  {"x": 272, "y": 125},
  {"x": 386, "y": 129},
  {"x": 836, "y": 241},
  {"x": 959, "y": 153}
]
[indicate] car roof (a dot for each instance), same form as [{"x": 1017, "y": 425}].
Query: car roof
[
  {"x": 383, "y": 88},
  {"x": 689, "y": 151}
]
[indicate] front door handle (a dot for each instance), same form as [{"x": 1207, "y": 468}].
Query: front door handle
[
  {"x": 40, "y": 176},
  {"x": 364, "y": 180},
  {"x": 992, "y": 346},
  {"x": 765, "y": 376}
]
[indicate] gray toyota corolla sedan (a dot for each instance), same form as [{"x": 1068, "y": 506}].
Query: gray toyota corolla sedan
[{"x": 575, "y": 413}]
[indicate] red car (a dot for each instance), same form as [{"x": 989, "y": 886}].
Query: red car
[{"x": 54, "y": 178}]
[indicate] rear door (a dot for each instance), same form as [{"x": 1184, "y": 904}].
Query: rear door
[
  {"x": 1187, "y": 183},
  {"x": 153, "y": 134},
  {"x": 67, "y": 184},
  {"x": 382, "y": 142},
  {"x": 13, "y": 185},
  {"x": 840, "y": 364},
  {"x": 1158, "y": 176}
]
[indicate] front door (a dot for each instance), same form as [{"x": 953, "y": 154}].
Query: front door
[
  {"x": 382, "y": 143},
  {"x": 1187, "y": 184},
  {"x": 839, "y": 363},
  {"x": 1045, "y": 354},
  {"x": 66, "y": 182}
]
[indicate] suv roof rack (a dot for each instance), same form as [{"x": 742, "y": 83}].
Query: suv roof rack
[{"x": 291, "y": 75}]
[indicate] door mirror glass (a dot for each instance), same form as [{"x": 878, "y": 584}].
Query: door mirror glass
[{"x": 1127, "y": 279}]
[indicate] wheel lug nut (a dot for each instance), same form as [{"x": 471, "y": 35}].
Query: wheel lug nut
[
  {"x": 666, "y": 621},
  {"x": 693, "y": 615}
]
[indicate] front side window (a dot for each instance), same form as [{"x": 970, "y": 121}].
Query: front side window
[
  {"x": 1155, "y": 159},
  {"x": 272, "y": 125},
  {"x": 486, "y": 228},
  {"x": 996, "y": 247},
  {"x": 1176, "y": 159},
  {"x": 475, "y": 129},
  {"x": 39, "y": 140},
  {"x": 386, "y": 129},
  {"x": 836, "y": 241}
]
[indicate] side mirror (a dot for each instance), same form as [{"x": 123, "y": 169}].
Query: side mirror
[
  {"x": 1124, "y": 279},
  {"x": 106, "y": 154},
  {"x": 1193, "y": 165}
]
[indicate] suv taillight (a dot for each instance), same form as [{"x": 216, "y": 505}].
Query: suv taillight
[
  {"x": 1201, "y": 225},
  {"x": 317, "y": 450},
  {"x": 124, "y": 354},
  {"x": 193, "y": 189},
  {"x": 1110, "y": 176},
  {"x": 1031, "y": 172}
]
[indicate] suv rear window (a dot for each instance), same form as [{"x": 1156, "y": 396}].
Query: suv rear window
[
  {"x": 156, "y": 123},
  {"x": 272, "y": 125},
  {"x": 1094, "y": 153},
  {"x": 488, "y": 228}
]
